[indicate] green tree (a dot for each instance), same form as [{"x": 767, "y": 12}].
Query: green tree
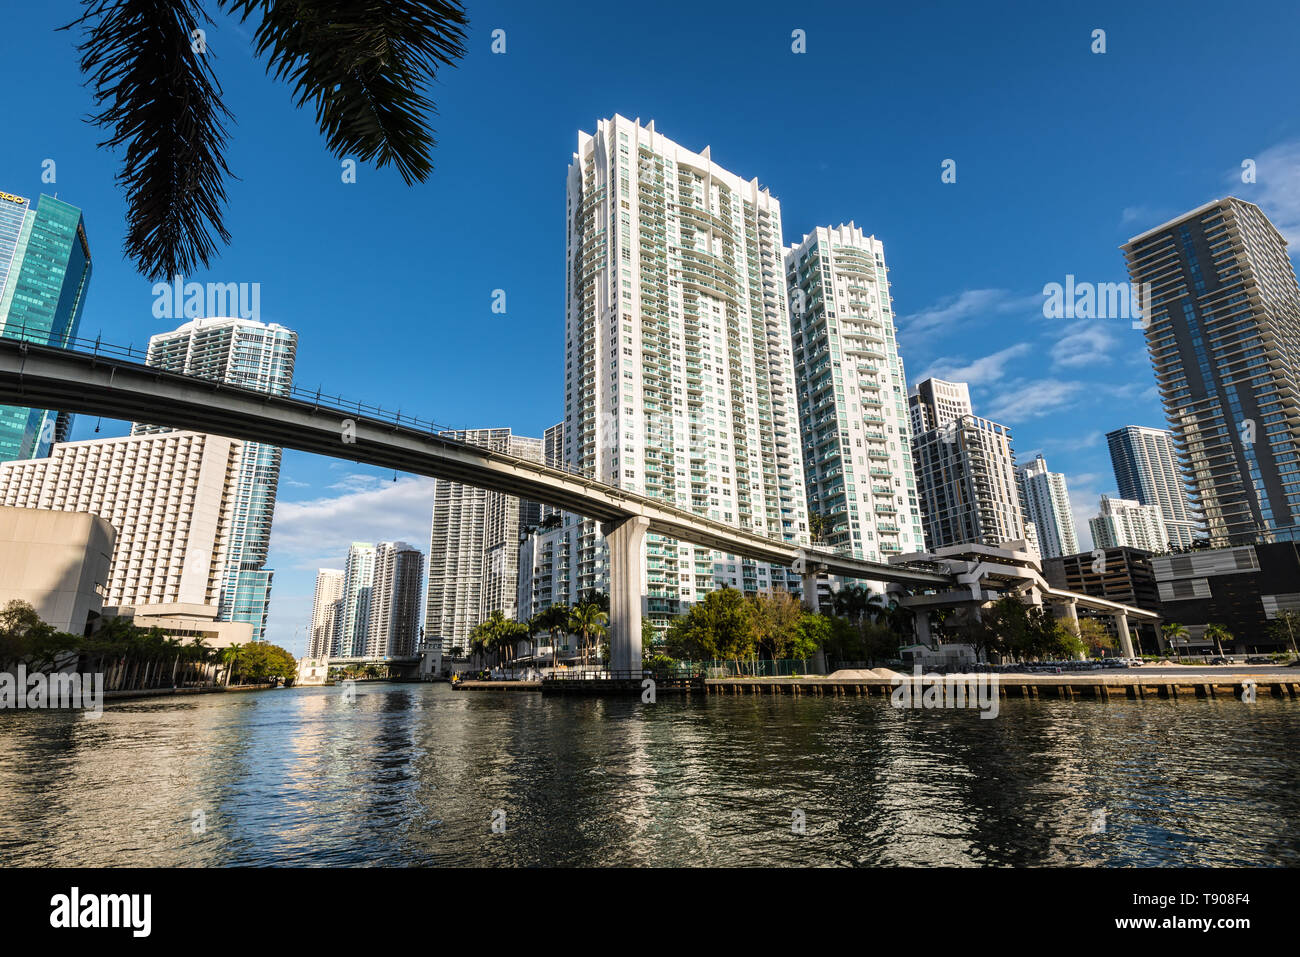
[
  {"x": 1094, "y": 636},
  {"x": 554, "y": 618},
  {"x": 773, "y": 624},
  {"x": 1218, "y": 634},
  {"x": 1286, "y": 626},
  {"x": 587, "y": 621},
  {"x": 1174, "y": 632},
  {"x": 364, "y": 68},
  {"x": 715, "y": 628}
]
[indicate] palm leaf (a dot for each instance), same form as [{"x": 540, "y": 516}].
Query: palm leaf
[
  {"x": 158, "y": 96},
  {"x": 364, "y": 66}
]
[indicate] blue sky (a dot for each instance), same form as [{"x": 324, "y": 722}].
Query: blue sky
[{"x": 1061, "y": 155}]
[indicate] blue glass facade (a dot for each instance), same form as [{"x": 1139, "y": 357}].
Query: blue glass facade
[{"x": 44, "y": 274}]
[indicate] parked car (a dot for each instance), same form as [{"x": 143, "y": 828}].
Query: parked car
[{"x": 1259, "y": 660}]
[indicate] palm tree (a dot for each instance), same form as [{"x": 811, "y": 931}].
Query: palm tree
[
  {"x": 1173, "y": 632},
  {"x": 587, "y": 621},
  {"x": 818, "y": 526},
  {"x": 554, "y": 618},
  {"x": 364, "y": 68},
  {"x": 1220, "y": 634}
]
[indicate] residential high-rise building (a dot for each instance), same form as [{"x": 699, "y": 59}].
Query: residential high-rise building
[
  {"x": 679, "y": 379},
  {"x": 354, "y": 608},
  {"x": 935, "y": 402},
  {"x": 325, "y": 608},
  {"x": 393, "y": 630},
  {"x": 1146, "y": 469},
  {"x": 1223, "y": 332},
  {"x": 1046, "y": 503},
  {"x": 965, "y": 471},
  {"x": 853, "y": 414},
  {"x": 171, "y": 497},
  {"x": 1125, "y": 523},
  {"x": 474, "y": 540},
  {"x": 256, "y": 356},
  {"x": 44, "y": 276}
]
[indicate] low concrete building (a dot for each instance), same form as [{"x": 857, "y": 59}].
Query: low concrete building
[
  {"x": 187, "y": 621},
  {"x": 312, "y": 672},
  {"x": 58, "y": 562}
]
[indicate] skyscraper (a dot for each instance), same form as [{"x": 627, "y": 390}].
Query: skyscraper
[
  {"x": 1146, "y": 470},
  {"x": 679, "y": 379},
  {"x": 1046, "y": 503},
  {"x": 1223, "y": 332},
  {"x": 170, "y": 496},
  {"x": 393, "y": 630},
  {"x": 474, "y": 537},
  {"x": 44, "y": 276},
  {"x": 965, "y": 471},
  {"x": 256, "y": 356},
  {"x": 1125, "y": 523},
  {"x": 325, "y": 608},
  {"x": 852, "y": 390},
  {"x": 354, "y": 608}
]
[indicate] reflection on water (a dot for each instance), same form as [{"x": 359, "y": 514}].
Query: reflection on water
[{"x": 412, "y": 775}]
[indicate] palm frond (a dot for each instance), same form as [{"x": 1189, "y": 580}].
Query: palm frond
[
  {"x": 158, "y": 97},
  {"x": 365, "y": 66}
]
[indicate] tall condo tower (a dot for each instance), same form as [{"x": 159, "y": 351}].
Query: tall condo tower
[
  {"x": 44, "y": 275},
  {"x": 1223, "y": 332},
  {"x": 1146, "y": 470},
  {"x": 679, "y": 376},
  {"x": 354, "y": 606},
  {"x": 256, "y": 356},
  {"x": 1046, "y": 503},
  {"x": 852, "y": 391},
  {"x": 393, "y": 630},
  {"x": 474, "y": 540},
  {"x": 324, "y": 612}
]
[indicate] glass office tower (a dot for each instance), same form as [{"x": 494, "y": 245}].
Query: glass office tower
[{"x": 44, "y": 273}]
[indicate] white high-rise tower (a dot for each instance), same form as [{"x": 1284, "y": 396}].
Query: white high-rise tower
[
  {"x": 1046, "y": 503},
  {"x": 852, "y": 391},
  {"x": 679, "y": 378}
]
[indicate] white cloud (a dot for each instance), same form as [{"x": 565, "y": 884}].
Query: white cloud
[
  {"x": 1276, "y": 189},
  {"x": 1085, "y": 343},
  {"x": 1032, "y": 399},
  {"x": 951, "y": 311},
  {"x": 981, "y": 371},
  {"x": 316, "y": 533}
]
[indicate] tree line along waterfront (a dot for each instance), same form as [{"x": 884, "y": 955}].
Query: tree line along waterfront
[
  {"x": 132, "y": 658},
  {"x": 859, "y": 627}
]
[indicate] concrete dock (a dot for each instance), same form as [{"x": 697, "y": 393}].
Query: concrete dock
[{"x": 1132, "y": 685}]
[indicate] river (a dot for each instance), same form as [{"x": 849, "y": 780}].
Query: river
[{"x": 423, "y": 775}]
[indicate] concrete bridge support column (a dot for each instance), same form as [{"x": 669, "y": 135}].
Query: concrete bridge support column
[
  {"x": 626, "y": 542},
  {"x": 810, "y": 596},
  {"x": 1125, "y": 640}
]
